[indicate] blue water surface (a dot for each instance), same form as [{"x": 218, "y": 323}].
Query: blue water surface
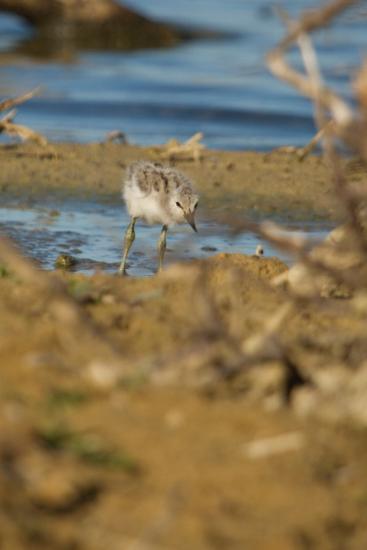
[{"x": 219, "y": 86}]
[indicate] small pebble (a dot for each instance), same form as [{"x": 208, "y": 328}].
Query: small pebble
[
  {"x": 103, "y": 375},
  {"x": 209, "y": 248},
  {"x": 54, "y": 213},
  {"x": 262, "y": 448},
  {"x": 108, "y": 299},
  {"x": 65, "y": 261}
]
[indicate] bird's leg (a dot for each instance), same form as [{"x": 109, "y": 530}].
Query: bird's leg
[
  {"x": 162, "y": 246},
  {"x": 128, "y": 241}
]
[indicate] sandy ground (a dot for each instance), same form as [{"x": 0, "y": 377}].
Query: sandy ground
[
  {"x": 129, "y": 417},
  {"x": 273, "y": 183}
]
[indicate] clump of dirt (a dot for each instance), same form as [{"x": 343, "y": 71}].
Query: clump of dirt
[{"x": 130, "y": 416}]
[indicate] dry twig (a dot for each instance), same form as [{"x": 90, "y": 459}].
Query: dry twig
[
  {"x": 341, "y": 113},
  {"x": 190, "y": 149},
  {"x": 7, "y": 125},
  {"x": 12, "y": 102}
]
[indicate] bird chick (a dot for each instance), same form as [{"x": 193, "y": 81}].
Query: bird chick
[{"x": 159, "y": 195}]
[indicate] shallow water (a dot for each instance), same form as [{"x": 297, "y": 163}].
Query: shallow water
[
  {"x": 219, "y": 86},
  {"x": 93, "y": 233}
]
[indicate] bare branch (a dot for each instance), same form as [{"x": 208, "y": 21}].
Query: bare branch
[
  {"x": 23, "y": 132},
  {"x": 313, "y": 20},
  {"x": 9, "y": 103},
  {"x": 312, "y": 144}
]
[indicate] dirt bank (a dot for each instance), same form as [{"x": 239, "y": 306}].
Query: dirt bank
[
  {"x": 132, "y": 411},
  {"x": 134, "y": 425}
]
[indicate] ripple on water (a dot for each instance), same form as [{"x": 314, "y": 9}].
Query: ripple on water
[{"x": 219, "y": 86}]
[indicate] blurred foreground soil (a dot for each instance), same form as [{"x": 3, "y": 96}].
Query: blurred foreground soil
[{"x": 127, "y": 419}]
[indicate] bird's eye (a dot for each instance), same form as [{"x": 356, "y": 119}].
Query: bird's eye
[
  {"x": 179, "y": 205},
  {"x": 196, "y": 205}
]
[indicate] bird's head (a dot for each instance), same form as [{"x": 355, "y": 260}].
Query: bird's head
[{"x": 184, "y": 204}]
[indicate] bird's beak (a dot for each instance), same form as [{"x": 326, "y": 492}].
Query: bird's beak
[{"x": 190, "y": 218}]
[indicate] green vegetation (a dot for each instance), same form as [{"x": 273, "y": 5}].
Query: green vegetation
[{"x": 87, "y": 447}]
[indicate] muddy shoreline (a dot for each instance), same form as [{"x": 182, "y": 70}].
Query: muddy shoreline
[
  {"x": 138, "y": 422},
  {"x": 275, "y": 184}
]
